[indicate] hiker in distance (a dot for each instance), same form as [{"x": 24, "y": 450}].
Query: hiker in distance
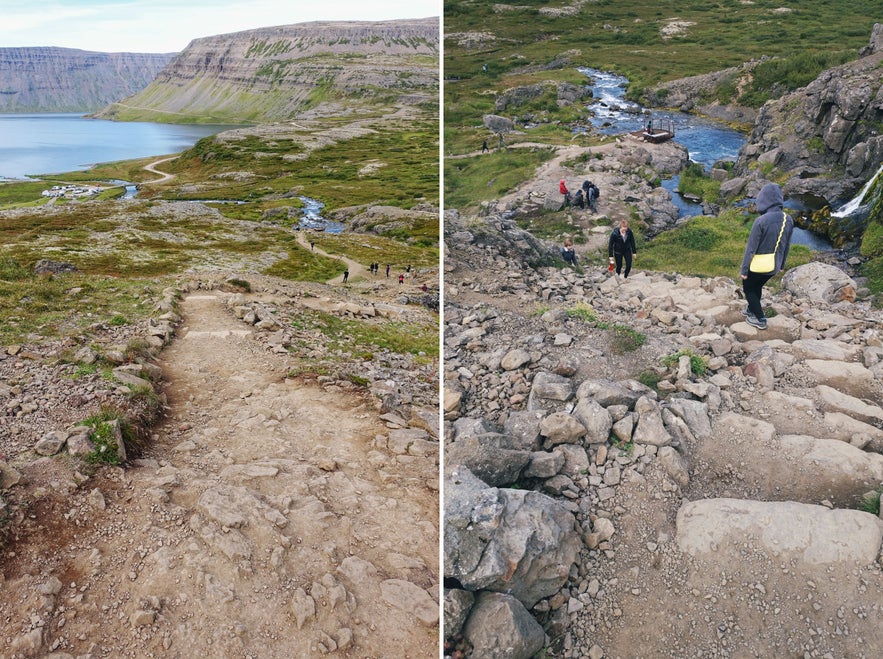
[
  {"x": 766, "y": 250},
  {"x": 622, "y": 246}
]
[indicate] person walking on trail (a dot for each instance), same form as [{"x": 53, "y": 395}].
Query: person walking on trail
[
  {"x": 766, "y": 250},
  {"x": 346, "y": 275},
  {"x": 484, "y": 148},
  {"x": 312, "y": 246},
  {"x": 387, "y": 270},
  {"x": 568, "y": 253},
  {"x": 621, "y": 246},
  {"x": 401, "y": 277}
]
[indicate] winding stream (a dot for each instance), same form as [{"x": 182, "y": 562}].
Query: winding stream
[{"x": 707, "y": 141}]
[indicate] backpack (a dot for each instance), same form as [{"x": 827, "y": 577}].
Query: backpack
[{"x": 596, "y": 191}]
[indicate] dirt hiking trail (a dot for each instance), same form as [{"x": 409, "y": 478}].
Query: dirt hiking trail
[{"x": 266, "y": 519}]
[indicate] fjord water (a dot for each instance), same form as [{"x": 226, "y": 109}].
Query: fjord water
[{"x": 53, "y": 143}]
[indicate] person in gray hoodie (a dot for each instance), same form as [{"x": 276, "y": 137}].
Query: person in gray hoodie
[{"x": 771, "y": 232}]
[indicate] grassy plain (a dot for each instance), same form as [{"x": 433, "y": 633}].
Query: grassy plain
[{"x": 124, "y": 250}]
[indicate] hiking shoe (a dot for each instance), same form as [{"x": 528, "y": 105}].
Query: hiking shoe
[
  {"x": 759, "y": 323},
  {"x": 746, "y": 312}
]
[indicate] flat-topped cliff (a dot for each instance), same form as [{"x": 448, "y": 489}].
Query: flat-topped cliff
[
  {"x": 272, "y": 73},
  {"x": 49, "y": 79}
]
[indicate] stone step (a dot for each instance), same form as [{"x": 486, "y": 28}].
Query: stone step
[
  {"x": 788, "y": 529},
  {"x": 787, "y": 467}
]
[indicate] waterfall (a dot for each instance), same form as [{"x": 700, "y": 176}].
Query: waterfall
[{"x": 855, "y": 202}]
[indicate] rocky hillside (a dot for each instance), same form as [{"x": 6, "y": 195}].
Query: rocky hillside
[
  {"x": 270, "y": 74},
  {"x": 70, "y": 80},
  {"x": 830, "y": 126},
  {"x": 631, "y": 470}
]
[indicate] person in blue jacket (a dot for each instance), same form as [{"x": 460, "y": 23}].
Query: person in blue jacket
[
  {"x": 771, "y": 232},
  {"x": 622, "y": 246}
]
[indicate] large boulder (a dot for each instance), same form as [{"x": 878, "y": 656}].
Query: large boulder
[
  {"x": 820, "y": 282},
  {"x": 514, "y": 541}
]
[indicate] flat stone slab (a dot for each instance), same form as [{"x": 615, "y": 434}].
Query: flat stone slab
[
  {"x": 815, "y": 534},
  {"x": 220, "y": 334}
]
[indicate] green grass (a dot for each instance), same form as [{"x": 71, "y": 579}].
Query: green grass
[
  {"x": 706, "y": 246},
  {"x": 694, "y": 181},
  {"x": 303, "y": 265},
  {"x": 364, "y": 338},
  {"x": 584, "y": 312},
  {"x": 405, "y": 170},
  {"x": 698, "y": 363},
  {"x": 66, "y": 305},
  {"x": 367, "y": 249},
  {"x": 103, "y": 437},
  {"x": 625, "y": 339},
  {"x": 469, "y": 181}
]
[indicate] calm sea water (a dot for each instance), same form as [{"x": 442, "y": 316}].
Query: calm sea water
[{"x": 52, "y": 143}]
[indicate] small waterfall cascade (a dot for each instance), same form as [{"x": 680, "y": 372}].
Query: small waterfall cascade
[{"x": 855, "y": 203}]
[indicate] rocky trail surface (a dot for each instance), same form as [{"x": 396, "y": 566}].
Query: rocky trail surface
[
  {"x": 605, "y": 499},
  {"x": 269, "y": 516}
]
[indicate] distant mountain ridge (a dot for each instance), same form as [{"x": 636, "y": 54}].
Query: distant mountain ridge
[
  {"x": 51, "y": 79},
  {"x": 273, "y": 73}
]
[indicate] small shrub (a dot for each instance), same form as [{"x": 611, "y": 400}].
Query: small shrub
[
  {"x": 625, "y": 339},
  {"x": 240, "y": 283},
  {"x": 104, "y": 438},
  {"x": 583, "y": 312},
  {"x": 698, "y": 363},
  {"x": 118, "y": 320},
  {"x": 650, "y": 379},
  {"x": 870, "y": 502}
]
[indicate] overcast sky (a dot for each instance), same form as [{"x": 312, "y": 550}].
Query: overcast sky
[{"x": 165, "y": 26}]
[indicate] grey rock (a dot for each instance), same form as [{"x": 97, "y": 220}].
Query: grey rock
[
  {"x": 524, "y": 427},
  {"x": 500, "y": 627},
  {"x": 650, "y": 428},
  {"x": 492, "y": 457},
  {"x": 820, "y": 282},
  {"x": 514, "y": 541},
  {"x": 544, "y": 464},
  {"x": 407, "y": 596},
  {"x": 457, "y": 605},
  {"x": 561, "y": 428},
  {"x": 595, "y": 420},
  {"x": 51, "y": 443},
  {"x": 549, "y": 387}
]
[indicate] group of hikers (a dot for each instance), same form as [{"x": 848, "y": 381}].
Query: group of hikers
[
  {"x": 585, "y": 197},
  {"x": 765, "y": 251}
]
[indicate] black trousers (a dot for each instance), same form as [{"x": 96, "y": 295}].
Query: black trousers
[
  {"x": 628, "y": 262},
  {"x": 753, "y": 288}
]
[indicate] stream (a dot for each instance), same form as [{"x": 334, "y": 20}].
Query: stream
[
  {"x": 707, "y": 141},
  {"x": 311, "y": 218}
]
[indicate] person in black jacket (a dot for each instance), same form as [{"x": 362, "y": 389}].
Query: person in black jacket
[
  {"x": 622, "y": 245},
  {"x": 770, "y": 233}
]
